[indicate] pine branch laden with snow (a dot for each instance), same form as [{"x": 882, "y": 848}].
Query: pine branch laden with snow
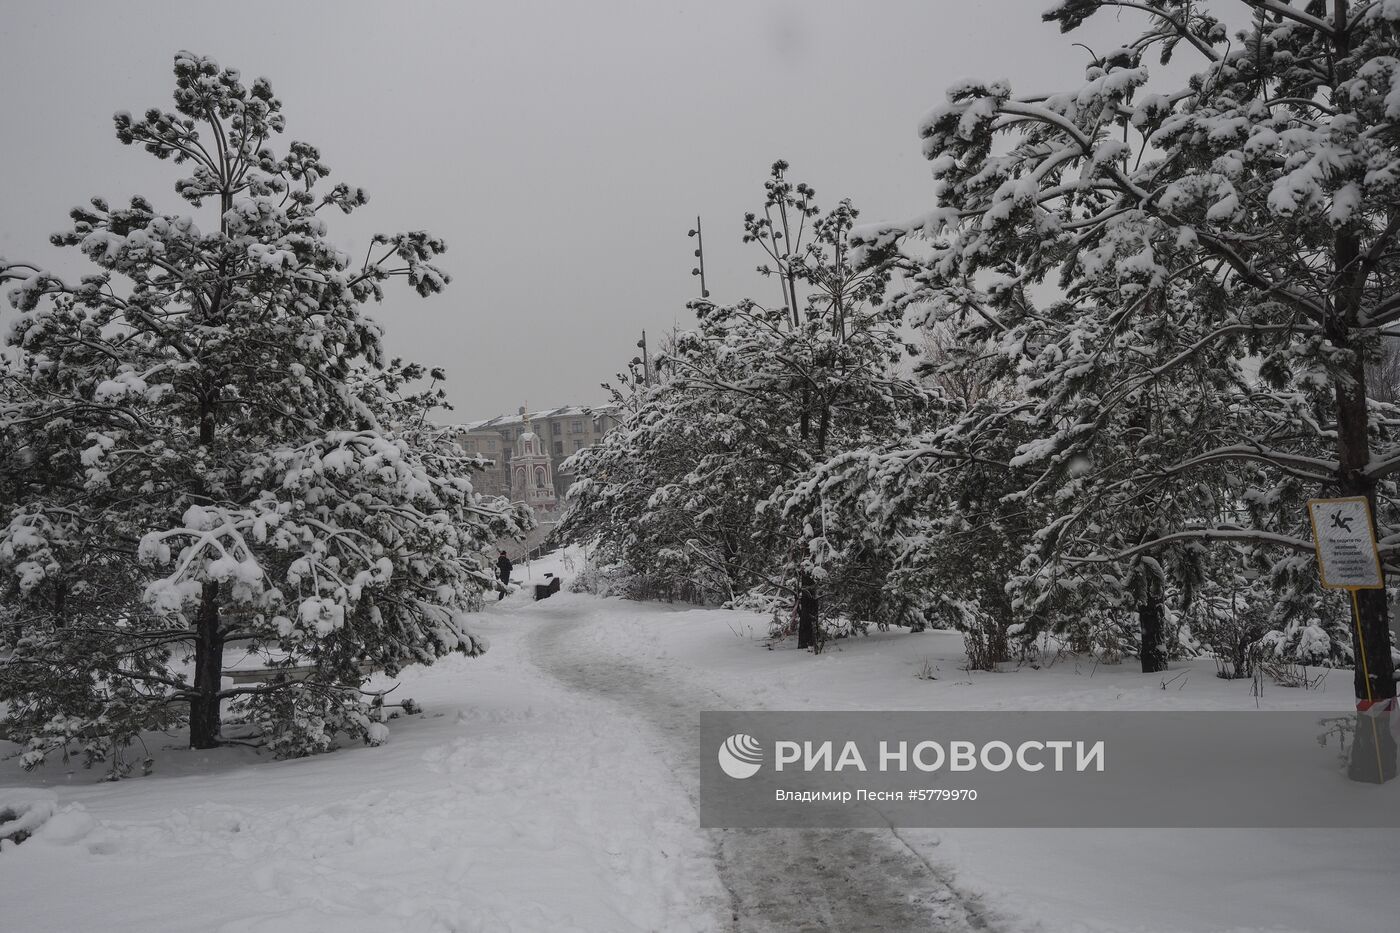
[
  {"x": 202, "y": 445},
  {"x": 1185, "y": 285}
]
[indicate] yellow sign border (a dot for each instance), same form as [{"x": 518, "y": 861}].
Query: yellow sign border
[{"x": 1371, "y": 529}]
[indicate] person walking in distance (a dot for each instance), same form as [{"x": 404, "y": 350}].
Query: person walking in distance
[{"x": 503, "y": 569}]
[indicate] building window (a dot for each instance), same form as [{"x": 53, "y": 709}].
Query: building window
[
  {"x": 578, "y": 445},
  {"x": 558, "y": 448},
  {"x": 555, "y": 427},
  {"x": 576, "y": 427},
  {"x": 491, "y": 445}
]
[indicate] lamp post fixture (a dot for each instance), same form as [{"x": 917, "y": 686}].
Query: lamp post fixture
[
  {"x": 700, "y": 255},
  {"x": 646, "y": 360}
]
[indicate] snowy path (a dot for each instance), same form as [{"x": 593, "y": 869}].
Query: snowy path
[{"x": 777, "y": 880}]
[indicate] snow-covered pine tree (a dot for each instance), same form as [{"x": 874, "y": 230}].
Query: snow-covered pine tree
[
  {"x": 632, "y": 497},
  {"x": 719, "y": 454},
  {"x": 1271, "y": 175},
  {"x": 202, "y": 445},
  {"x": 812, "y": 378}
]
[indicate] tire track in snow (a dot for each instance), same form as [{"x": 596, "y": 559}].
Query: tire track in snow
[{"x": 778, "y": 881}]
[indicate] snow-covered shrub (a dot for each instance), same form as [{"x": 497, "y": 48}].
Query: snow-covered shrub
[
  {"x": 1307, "y": 642},
  {"x": 621, "y": 581},
  {"x": 842, "y": 627},
  {"x": 21, "y": 820}
]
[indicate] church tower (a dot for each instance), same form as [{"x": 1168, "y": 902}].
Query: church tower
[{"x": 531, "y": 476}]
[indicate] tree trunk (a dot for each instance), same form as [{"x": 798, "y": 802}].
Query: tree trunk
[
  {"x": 208, "y": 672},
  {"x": 1376, "y": 634},
  {"x": 807, "y": 608},
  {"x": 1373, "y": 753},
  {"x": 60, "y": 598},
  {"x": 1354, "y": 455},
  {"x": 1154, "y": 650}
]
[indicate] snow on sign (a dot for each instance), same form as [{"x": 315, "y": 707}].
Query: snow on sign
[{"x": 1346, "y": 545}]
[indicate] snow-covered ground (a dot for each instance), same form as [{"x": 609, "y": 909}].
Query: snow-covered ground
[
  {"x": 1042, "y": 881},
  {"x": 550, "y": 786}
]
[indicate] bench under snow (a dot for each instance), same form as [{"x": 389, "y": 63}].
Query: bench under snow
[
  {"x": 546, "y": 590},
  {"x": 257, "y": 675}
]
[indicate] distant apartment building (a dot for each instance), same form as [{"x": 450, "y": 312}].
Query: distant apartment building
[{"x": 528, "y": 448}]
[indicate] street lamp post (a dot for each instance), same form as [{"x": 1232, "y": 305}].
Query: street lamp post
[{"x": 700, "y": 255}]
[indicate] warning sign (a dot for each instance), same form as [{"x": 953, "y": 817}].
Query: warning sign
[{"x": 1346, "y": 544}]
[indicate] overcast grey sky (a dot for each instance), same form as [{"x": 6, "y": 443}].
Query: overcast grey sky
[{"x": 561, "y": 149}]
